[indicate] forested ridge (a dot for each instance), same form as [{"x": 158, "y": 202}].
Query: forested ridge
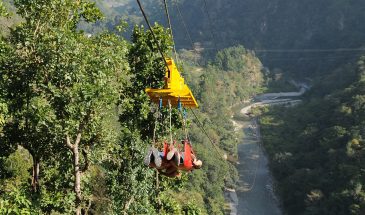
[
  {"x": 316, "y": 149},
  {"x": 284, "y": 26},
  {"x": 75, "y": 121},
  {"x": 73, "y": 110}
]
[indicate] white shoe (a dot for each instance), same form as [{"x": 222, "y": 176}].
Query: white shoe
[{"x": 171, "y": 154}]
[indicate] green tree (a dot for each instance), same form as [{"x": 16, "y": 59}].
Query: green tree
[
  {"x": 317, "y": 148},
  {"x": 3, "y": 11},
  {"x": 132, "y": 185},
  {"x": 59, "y": 83}
]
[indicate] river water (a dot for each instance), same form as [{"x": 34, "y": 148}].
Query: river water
[
  {"x": 254, "y": 194},
  {"x": 255, "y": 187}
]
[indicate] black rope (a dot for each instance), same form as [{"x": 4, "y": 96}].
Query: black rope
[
  {"x": 170, "y": 26},
  {"x": 154, "y": 37},
  {"x": 185, "y": 26},
  {"x": 199, "y": 124},
  {"x": 211, "y": 24},
  {"x": 160, "y": 50}
]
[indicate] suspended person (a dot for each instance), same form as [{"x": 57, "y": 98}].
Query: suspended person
[
  {"x": 156, "y": 159},
  {"x": 173, "y": 160},
  {"x": 179, "y": 158}
]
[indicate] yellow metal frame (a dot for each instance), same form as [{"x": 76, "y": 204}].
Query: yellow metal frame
[{"x": 174, "y": 90}]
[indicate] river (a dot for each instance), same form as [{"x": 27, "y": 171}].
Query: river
[
  {"x": 255, "y": 186},
  {"x": 254, "y": 194}
]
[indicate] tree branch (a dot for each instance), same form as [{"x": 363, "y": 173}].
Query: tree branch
[
  {"x": 126, "y": 206},
  {"x": 78, "y": 138},
  {"x": 81, "y": 127},
  {"x": 37, "y": 28},
  {"x": 68, "y": 142}
]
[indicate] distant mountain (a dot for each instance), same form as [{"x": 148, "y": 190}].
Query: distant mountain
[{"x": 300, "y": 37}]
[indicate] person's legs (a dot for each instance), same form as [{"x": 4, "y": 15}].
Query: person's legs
[
  {"x": 161, "y": 154},
  {"x": 152, "y": 156},
  {"x": 177, "y": 158},
  {"x": 182, "y": 155}
]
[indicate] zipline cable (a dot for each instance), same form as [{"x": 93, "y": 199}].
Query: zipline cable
[
  {"x": 185, "y": 26},
  {"x": 211, "y": 24},
  {"x": 200, "y": 125},
  {"x": 328, "y": 58},
  {"x": 337, "y": 50},
  {"x": 163, "y": 56},
  {"x": 309, "y": 50},
  {"x": 192, "y": 44},
  {"x": 154, "y": 37},
  {"x": 170, "y": 26}
]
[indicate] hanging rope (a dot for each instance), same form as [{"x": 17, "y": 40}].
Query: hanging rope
[
  {"x": 184, "y": 124},
  {"x": 170, "y": 112},
  {"x": 154, "y": 132},
  {"x": 157, "y": 116},
  {"x": 183, "y": 117}
]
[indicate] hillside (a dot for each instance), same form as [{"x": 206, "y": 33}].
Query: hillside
[
  {"x": 301, "y": 45},
  {"x": 317, "y": 150},
  {"x": 75, "y": 121}
]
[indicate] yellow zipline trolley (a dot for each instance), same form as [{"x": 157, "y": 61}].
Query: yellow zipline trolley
[{"x": 174, "y": 91}]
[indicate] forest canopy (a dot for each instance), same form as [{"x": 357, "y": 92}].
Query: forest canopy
[{"x": 75, "y": 121}]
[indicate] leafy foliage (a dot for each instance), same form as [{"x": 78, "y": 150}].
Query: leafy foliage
[
  {"x": 3, "y": 11},
  {"x": 218, "y": 88},
  {"x": 57, "y": 83},
  {"x": 319, "y": 154},
  {"x": 62, "y": 93}
]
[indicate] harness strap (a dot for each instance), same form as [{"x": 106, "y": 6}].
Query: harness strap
[
  {"x": 157, "y": 117},
  {"x": 165, "y": 149},
  {"x": 170, "y": 112},
  {"x": 188, "y": 163}
]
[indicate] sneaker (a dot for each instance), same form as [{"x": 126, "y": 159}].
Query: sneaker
[
  {"x": 170, "y": 154},
  {"x": 156, "y": 157},
  {"x": 177, "y": 158},
  {"x": 148, "y": 158}
]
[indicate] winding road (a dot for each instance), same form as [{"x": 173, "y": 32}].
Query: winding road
[{"x": 254, "y": 194}]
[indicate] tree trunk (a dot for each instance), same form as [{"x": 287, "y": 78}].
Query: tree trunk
[
  {"x": 35, "y": 175},
  {"x": 77, "y": 172}
]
